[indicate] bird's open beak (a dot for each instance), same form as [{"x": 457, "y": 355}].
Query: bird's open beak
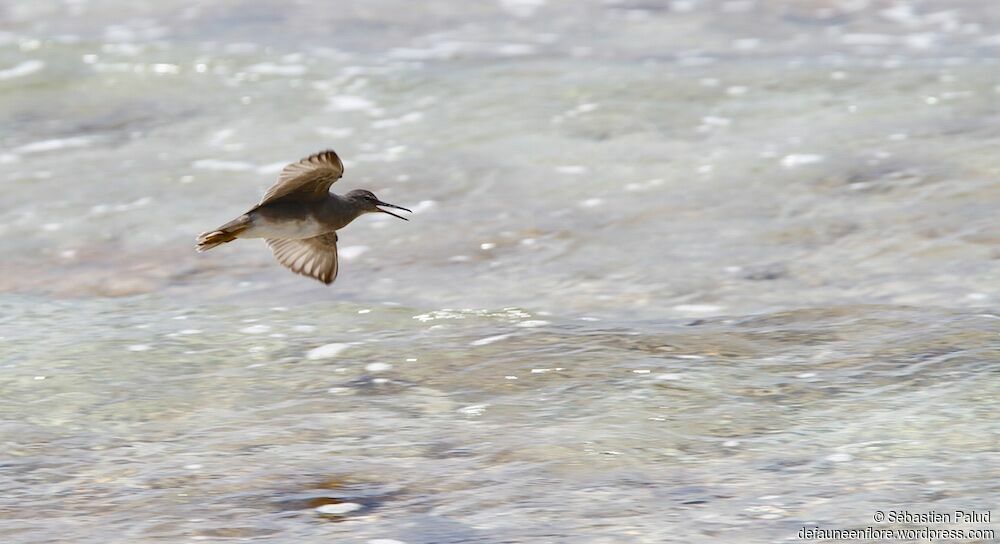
[{"x": 387, "y": 205}]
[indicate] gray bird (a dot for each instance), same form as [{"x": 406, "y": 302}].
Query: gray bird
[{"x": 299, "y": 217}]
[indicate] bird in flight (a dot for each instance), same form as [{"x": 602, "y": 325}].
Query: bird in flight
[{"x": 299, "y": 217}]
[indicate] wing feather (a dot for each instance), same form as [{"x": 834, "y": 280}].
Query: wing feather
[
  {"x": 313, "y": 257},
  {"x": 310, "y": 177}
]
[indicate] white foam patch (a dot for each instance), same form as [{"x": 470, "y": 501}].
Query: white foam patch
[
  {"x": 272, "y": 69},
  {"x": 349, "y": 253},
  {"x": 350, "y": 103},
  {"x": 867, "y": 39},
  {"x": 222, "y": 166},
  {"x": 796, "y": 160},
  {"x": 328, "y": 351},
  {"x": 516, "y": 49},
  {"x": 335, "y": 132},
  {"x": 412, "y": 117},
  {"x": 390, "y": 154},
  {"x": 22, "y": 69},
  {"x": 54, "y": 144},
  {"x": 697, "y": 308},
  {"x": 644, "y": 185},
  {"x": 489, "y": 340},
  {"x": 423, "y": 206},
  {"x": 474, "y": 410},
  {"x": 165, "y": 68},
  {"x": 272, "y": 168},
  {"x": 220, "y": 136},
  {"x": 441, "y": 50},
  {"x": 533, "y": 323},
  {"x": 255, "y": 329},
  {"x": 101, "y": 209},
  {"x": 338, "y": 509},
  {"x": 713, "y": 121},
  {"x": 521, "y": 8},
  {"x": 571, "y": 169},
  {"x": 241, "y": 48}
]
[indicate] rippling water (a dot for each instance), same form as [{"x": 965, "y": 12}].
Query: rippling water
[{"x": 678, "y": 271}]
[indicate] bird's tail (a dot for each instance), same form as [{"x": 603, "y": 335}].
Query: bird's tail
[{"x": 226, "y": 233}]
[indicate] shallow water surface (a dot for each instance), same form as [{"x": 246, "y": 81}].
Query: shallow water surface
[{"x": 677, "y": 271}]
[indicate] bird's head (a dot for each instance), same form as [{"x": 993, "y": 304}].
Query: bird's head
[{"x": 367, "y": 202}]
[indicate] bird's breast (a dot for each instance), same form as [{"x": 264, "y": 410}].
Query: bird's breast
[{"x": 263, "y": 226}]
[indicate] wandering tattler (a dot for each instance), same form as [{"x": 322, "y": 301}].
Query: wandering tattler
[{"x": 299, "y": 217}]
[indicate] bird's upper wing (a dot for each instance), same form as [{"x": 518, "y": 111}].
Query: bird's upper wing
[
  {"x": 310, "y": 177},
  {"x": 314, "y": 257}
]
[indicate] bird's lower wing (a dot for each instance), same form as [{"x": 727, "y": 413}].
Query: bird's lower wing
[{"x": 314, "y": 257}]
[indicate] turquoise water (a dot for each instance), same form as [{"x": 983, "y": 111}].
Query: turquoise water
[{"x": 677, "y": 272}]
